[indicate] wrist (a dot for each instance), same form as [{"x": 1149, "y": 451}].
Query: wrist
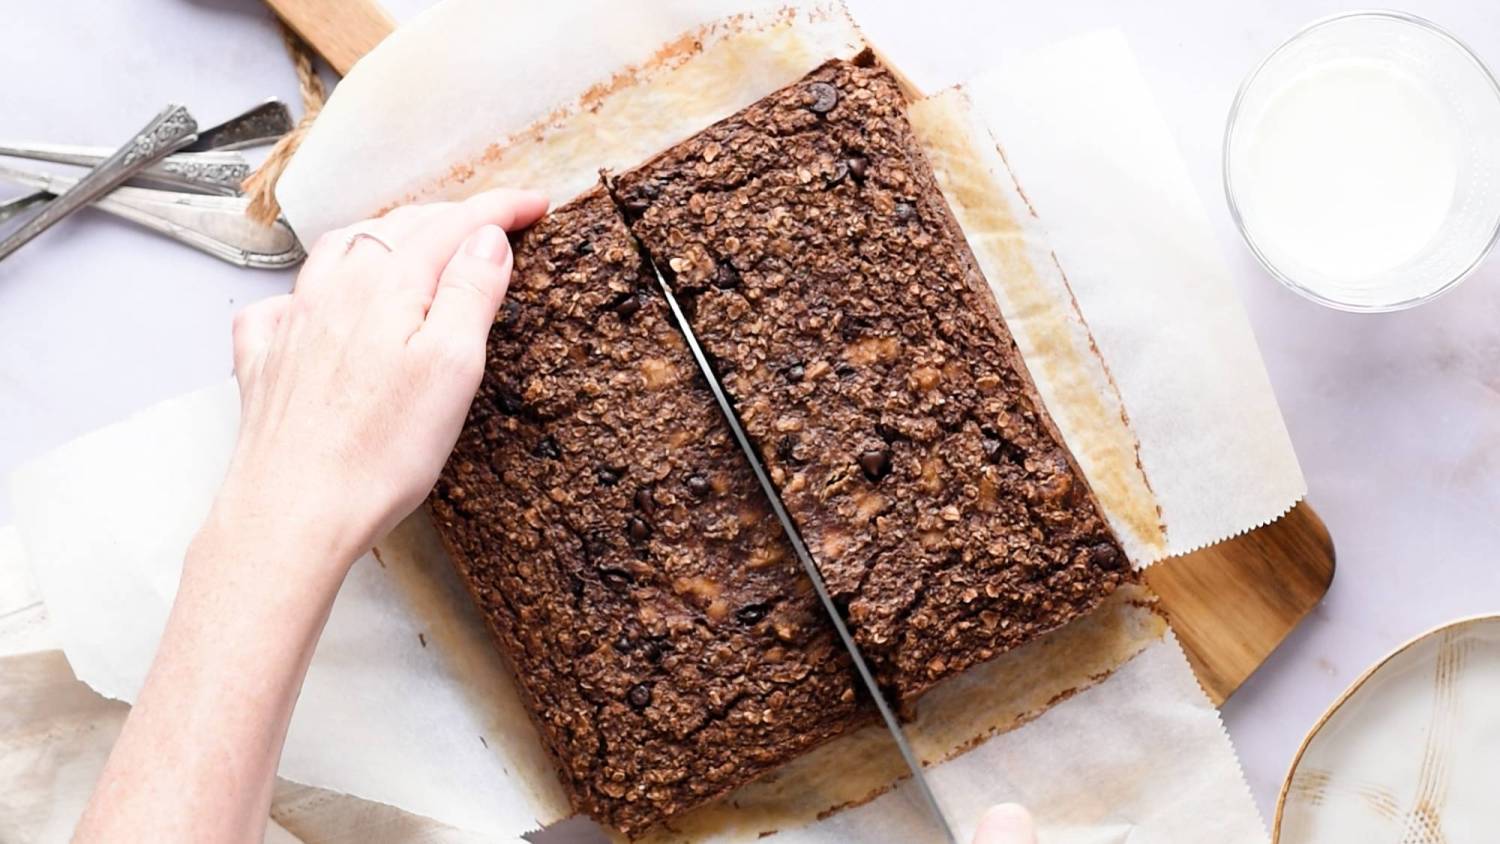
[
  {"x": 254, "y": 538},
  {"x": 292, "y": 517}
]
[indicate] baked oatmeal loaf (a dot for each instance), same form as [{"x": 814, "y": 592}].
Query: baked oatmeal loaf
[
  {"x": 662, "y": 633},
  {"x": 819, "y": 265}
]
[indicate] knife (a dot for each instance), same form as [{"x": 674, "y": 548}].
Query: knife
[{"x": 810, "y": 567}]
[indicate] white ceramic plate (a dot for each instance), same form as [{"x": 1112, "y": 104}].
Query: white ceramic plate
[{"x": 1410, "y": 753}]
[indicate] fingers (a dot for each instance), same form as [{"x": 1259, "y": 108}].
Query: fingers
[
  {"x": 337, "y": 246},
  {"x": 470, "y": 291},
  {"x": 426, "y": 236},
  {"x": 393, "y": 228},
  {"x": 435, "y": 240},
  {"x": 254, "y": 328},
  {"x": 1007, "y": 823}
]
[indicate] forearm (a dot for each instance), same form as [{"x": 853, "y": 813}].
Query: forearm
[
  {"x": 353, "y": 389},
  {"x": 197, "y": 758}
]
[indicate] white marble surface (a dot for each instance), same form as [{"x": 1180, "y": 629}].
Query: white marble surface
[{"x": 1396, "y": 418}]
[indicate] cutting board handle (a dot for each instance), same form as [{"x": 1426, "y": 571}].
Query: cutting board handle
[{"x": 340, "y": 30}]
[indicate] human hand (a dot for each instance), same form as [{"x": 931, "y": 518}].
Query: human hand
[
  {"x": 352, "y": 392},
  {"x": 353, "y": 388},
  {"x": 1007, "y": 823}
]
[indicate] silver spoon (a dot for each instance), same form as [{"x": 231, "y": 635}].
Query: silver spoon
[
  {"x": 205, "y": 165},
  {"x": 169, "y": 131},
  {"x": 203, "y": 172},
  {"x": 216, "y": 225}
]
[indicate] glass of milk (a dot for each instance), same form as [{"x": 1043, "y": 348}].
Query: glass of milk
[{"x": 1362, "y": 161}]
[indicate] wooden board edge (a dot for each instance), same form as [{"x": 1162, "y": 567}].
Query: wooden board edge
[{"x": 1233, "y": 603}]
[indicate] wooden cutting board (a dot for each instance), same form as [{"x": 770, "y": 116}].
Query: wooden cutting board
[
  {"x": 340, "y": 30},
  {"x": 1230, "y": 604}
]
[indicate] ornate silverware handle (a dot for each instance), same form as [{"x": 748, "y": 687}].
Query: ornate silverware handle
[
  {"x": 216, "y": 225},
  {"x": 168, "y": 131},
  {"x": 204, "y": 172},
  {"x": 205, "y": 165},
  {"x": 259, "y": 124}
]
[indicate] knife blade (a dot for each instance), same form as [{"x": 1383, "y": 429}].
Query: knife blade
[{"x": 809, "y": 566}]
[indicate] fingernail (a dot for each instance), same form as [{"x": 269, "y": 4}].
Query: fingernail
[{"x": 488, "y": 244}]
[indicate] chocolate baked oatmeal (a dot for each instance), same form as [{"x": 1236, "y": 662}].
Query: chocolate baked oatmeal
[
  {"x": 662, "y": 633},
  {"x": 820, "y": 266}
]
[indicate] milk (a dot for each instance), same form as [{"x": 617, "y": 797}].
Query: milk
[{"x": 1349, "y": 173}]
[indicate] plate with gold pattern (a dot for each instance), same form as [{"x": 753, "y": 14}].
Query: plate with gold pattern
[{"x": 1408, "y": 754}]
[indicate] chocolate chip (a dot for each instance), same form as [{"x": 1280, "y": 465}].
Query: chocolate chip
[
  {"x": 616, "y": 578},
  {"x": 548, "y": 448},
  {"x": 608, "y": 475},
  {"x": 727, "y": 278},
  {"x": 623, "y": 644},
  {"x": 993, "y": 451},
  {"x": 843, "y": 369},
  {"x": 509, "y": 403},
  {"x": 796, "y": 372},
  {"x": 639, "y": 696},
  {"x": 628, "y": 306},
  {"x": 699, "y": 486},
  {"x": 510, "y": 314},
  {"x": 584, "y": 248},
  {"x": 825, "y": 97},
  {"x": 840, "y": 171},
  {"x": 1104, "y": 555},
  {"x": 652, "y": 651},
  {"x": 859, "y": 167},
  {"x": 645, "y": 501},
  {"x": 640, "y": 529},
  {"x": 905, "y": 213},
  {"x": 637, "y": 204},
  {"x": 786, "y": 448},
  {"x": 751, "y": 613},
  {"x": 876, "y": 463}
]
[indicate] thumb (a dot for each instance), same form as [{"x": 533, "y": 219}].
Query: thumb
[
  {"x": 254, "y": 328},
  {"x": 1008, "y": 823}
]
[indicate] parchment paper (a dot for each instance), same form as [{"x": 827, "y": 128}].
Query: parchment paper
[
  {"x": 24, "y": 627},
  {"x": 1100, "y": 172},
  {"x": 385, "y": 717},
  {"x": 585, "y": 86}
]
